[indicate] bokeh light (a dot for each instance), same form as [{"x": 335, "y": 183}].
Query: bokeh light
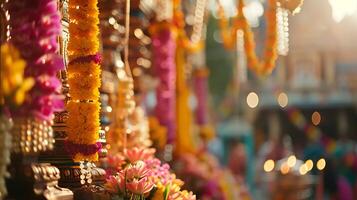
[
  {"x": 303, "y": 169},
  {"x": 309, "y": 164},
  {"x": 316, "y": 118},
  {"x": 283, "y": 99},
  {"x": 284, "y": 168},
  {"x": 269, "y": 165},
  {"x": 252, "y": 100},
  {"x": 291, "y": 161},
  {"x": 321, "y": 164}
]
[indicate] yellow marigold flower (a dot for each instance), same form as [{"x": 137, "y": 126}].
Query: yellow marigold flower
[
  {"x": 13, "y": 84},
  {"x": 159, "y": 193}
]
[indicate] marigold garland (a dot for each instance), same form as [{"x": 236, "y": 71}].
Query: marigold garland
[
  {"x": 84, "y": 80},
  {"x": 265, "y": 66},
  {"x": 260, "y": 67},
  {"x": 179, "y": 22}
]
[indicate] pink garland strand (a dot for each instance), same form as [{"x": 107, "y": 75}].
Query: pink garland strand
[
  {"x": 164, "y": 61},
  {"x": 201, "y": 89},
  {"x": 35, "y": 26}
]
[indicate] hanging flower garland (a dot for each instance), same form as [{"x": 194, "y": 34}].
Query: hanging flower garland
[
  {"x": 192, "y": 44},
  {"x": 84, "y": 80},
  {"x": 184, "y": 116},
  {"x": 201, "y": 90},
  {"x": 35, "y": 26},
  {"x": 228, "y": 35},
  {"x": 163, "y": 44},
  {"x": 265, "y": 66}
]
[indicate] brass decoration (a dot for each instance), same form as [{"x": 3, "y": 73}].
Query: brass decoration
[{"x": 31, "y": 135}]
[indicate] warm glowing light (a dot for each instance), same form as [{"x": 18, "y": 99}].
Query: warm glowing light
[
  {"x": 137, "y": 71},
  {"x": 138, "y": 33},
  {"x": 109, "y": 109},
  {"x": 269, "y": 165},
  {"x": 252, "y": 100},
  {"x": 309, "y": 164},
  {"x": 284, "y": 168},
  {"x": 342, "y": 8},
  {"x": 321, "y": 164},
  {"x": 316, "y": 118},
  {"x": 303, "y": 169},
  {"x": 283, "y": 99},
  {"x": 291, "y": 161}
]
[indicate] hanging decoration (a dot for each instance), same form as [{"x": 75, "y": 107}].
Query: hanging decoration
[
  {"x": 126, "y": 106},
  {"x": 283, "y": 31},
  {"x": 84, "y": 80},
  {"x": 36, "y": 25},
  {"x": 267, "y": 64},
  {"x": 293, "y": 6},
  {"x": 276, "y": 34},
  {"x": 201, "y": 90},
  {"x": 163, "y": 36},
  {"x": 193, "y": 43},
  {"x": 184, "y": 115},
  {"x": 13, "y": 90}
]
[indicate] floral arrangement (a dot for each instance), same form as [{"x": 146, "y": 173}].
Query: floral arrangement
[
  {"x": 84, "y": 80},
  {"x": 36, "y": 25},
  {"x": 13, "y": 90},
  {"x": 138, "y": 175},
  {"x": 164, "y": 45}
]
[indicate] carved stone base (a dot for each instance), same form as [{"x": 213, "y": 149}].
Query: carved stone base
[{"x": 34, "y": 181}]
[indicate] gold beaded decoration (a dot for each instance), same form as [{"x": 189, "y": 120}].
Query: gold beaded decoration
[{"x": 31, "y": 135}]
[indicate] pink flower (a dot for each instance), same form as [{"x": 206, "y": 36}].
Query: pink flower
[
  {"x": 136, "y": 154},
  {"x": 116, "y": 161},
  {"x": 113, "y": 184},
  {"x": 140, "y": 186},
  {"x": 136, "y": 171}
]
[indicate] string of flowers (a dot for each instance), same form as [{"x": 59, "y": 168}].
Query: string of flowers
[
  {"x": 201, "y": 91},
  {"x": 266, "y": 65},
  {"x": 84, "y": 80},
  {"x": 163, "y": 45},
  {"x": 229, "y": 35},
  {"x": 35, "y": 26},
  {"x": 192, "y": 44}
]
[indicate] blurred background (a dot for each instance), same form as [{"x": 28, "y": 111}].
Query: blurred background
[{"x": 296, "y": 129}]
